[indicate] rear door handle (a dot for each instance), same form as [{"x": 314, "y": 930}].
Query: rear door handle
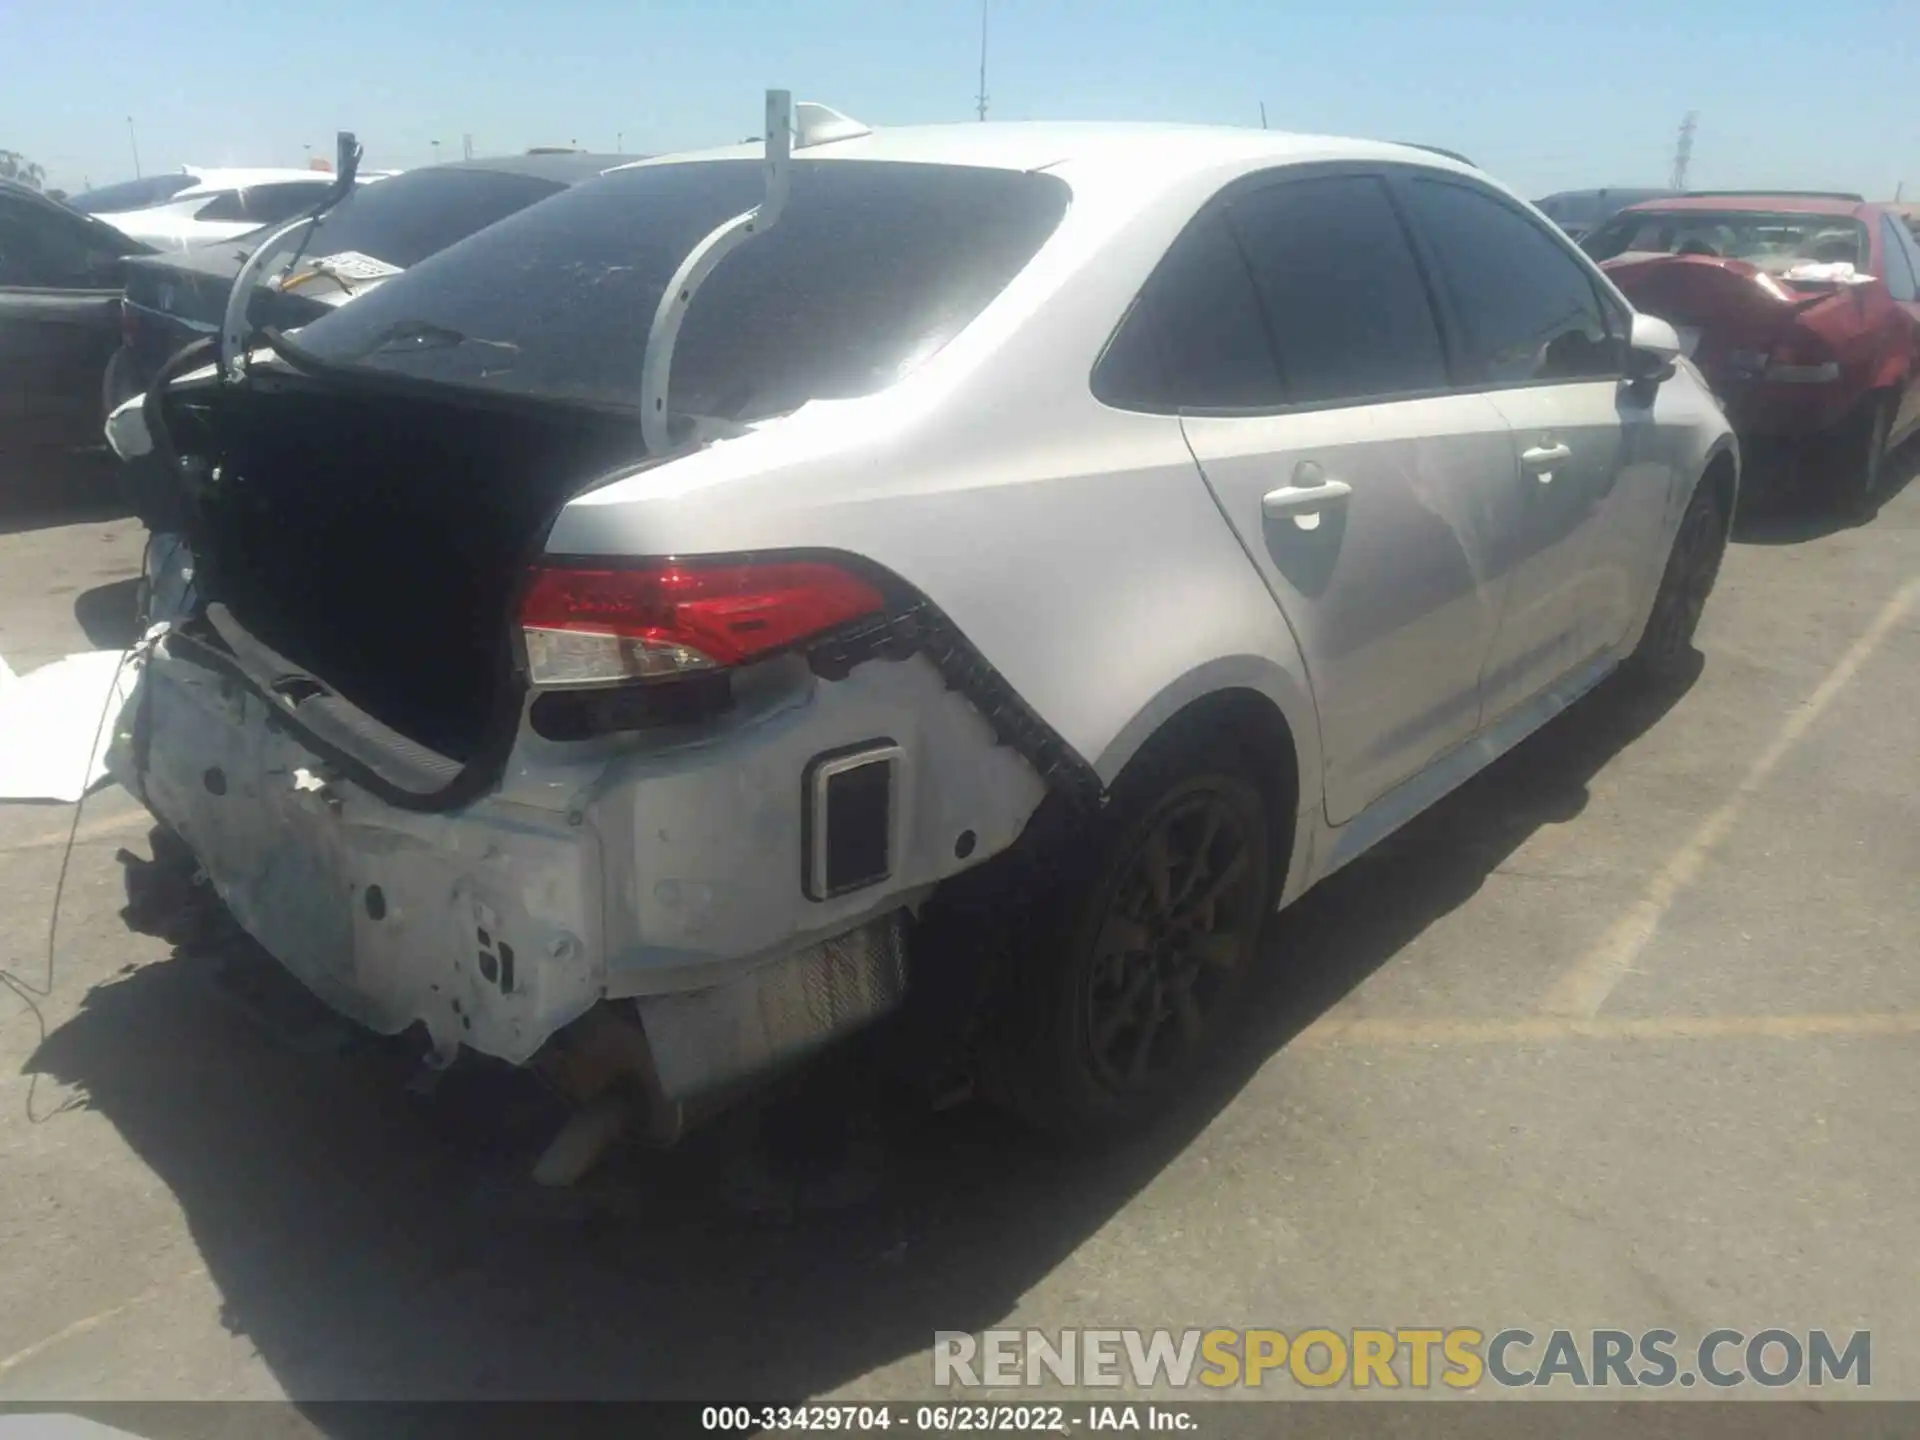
[
  {"x": 1542, "y": 458},
  {"x": 1298, "y": 501}
]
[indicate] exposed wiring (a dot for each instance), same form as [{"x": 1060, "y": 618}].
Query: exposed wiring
[{"x": 28, "y": 992}]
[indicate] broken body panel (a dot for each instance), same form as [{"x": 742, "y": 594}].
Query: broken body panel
[
  {"x": 1787, "y": 356},
  {"x": 664, "y": 874}
]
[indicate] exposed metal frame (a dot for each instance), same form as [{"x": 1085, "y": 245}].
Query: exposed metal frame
[
  {"x": 656, "y": 368},
  {"x": 233, "y": 324}
]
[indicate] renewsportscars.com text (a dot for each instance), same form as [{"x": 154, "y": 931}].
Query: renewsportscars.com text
[{"x": 1416, "y": 1358}]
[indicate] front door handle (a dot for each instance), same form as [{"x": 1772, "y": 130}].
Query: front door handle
[
  {"x": 1542, "y": 458},
  {"x": 1300, "y": 501}
]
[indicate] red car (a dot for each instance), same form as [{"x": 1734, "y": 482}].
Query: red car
[{"x": 1802, "y": 311}]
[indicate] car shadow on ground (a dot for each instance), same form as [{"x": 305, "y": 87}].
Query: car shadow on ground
[
  {"x": 1796, "y": 519},
  {"x": 370, "y": 1244},
  {"x": 107, "y": 614},
  {"x": 72, "y": 490}
]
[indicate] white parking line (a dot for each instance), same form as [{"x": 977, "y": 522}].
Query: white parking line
[{"x": 1584, "y": 987}]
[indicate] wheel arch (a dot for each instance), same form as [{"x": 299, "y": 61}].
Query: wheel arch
[
  {"x": 1257, "y": 702},
  {"x": 1722, "y": 471}
]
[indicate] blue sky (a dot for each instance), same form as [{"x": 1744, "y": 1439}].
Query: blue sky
[{"x": 1547, "y": 95}]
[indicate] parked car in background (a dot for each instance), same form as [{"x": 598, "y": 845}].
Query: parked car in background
[
  {"x": 1578, "y": 211},
  {"x": 1044, "y": 551},
  {"x": 210, "y": 205},
  {"x": 377, "y": 231},
  {"x": 1803, "y": 312},
  {"x": 61, "y": 276}
]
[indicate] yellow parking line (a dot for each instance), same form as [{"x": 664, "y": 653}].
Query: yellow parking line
[
  {"x": 95, "y": 1321},
  {"x": 1584, "y": 987},
  {"x": 1381, "y": 1030}
]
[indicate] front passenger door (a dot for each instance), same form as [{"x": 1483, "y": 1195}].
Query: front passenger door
[{"x": 1534, "y": 334}]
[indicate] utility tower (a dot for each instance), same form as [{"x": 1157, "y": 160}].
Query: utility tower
[
  {"x": 982, "y": 97},
  {"x": 1683, "y": 151}
]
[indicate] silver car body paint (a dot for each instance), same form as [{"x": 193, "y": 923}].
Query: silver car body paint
[{"x": 1090, "y": 554}]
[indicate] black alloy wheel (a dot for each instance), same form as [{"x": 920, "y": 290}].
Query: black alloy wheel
[
  {"x": 1693, "y": 566},
  {"x": 1177, "y": 928},
  {"x": 1128, "y": 987}
]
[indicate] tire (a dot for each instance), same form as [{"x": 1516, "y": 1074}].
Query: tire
[
  {"x": 1665, "y": 652},
  {"x": 1139, "y": 954},
  {"x": 115, "y": 388},
  {"x": 1863, "y": 456}
]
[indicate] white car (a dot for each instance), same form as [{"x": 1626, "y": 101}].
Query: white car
[
  {"x": 1031, "y": 556},
  {"x": 198, "y": 204}
]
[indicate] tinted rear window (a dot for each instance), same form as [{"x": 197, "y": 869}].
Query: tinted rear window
[
  {"x": 1772, "y": 242},
  {"x": 873, "y": 267},
  {"x": 404, "y": 220}
]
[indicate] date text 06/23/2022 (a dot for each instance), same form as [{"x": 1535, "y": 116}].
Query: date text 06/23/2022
[{"x": 950, "y": 1419}]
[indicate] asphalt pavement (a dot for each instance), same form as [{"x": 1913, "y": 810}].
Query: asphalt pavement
[{"x": 1625, "y": 1034}]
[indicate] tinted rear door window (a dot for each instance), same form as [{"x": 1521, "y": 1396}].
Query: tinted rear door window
[
  {"x": 1343, "y": 297},
  {"x": 264, "y": 204},
  {"x": 1194, "y": 339},
  {"x": 872, "y": 268},
  {"x": 1528, "y": 311}
]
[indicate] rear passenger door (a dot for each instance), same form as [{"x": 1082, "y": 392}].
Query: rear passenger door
[
  {"x": 1375, "y": 504},
  {"x": 1534, "y": 333}
]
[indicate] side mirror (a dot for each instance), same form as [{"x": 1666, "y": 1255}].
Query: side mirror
[{"x": 1652, "y": 348}]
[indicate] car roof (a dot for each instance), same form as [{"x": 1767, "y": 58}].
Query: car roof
[
  {"x": 1760, "y": 201},
  {"x": 568, "y": 168},
  {"x": 129, "y": 245},
  {"x": 241, "y": 177},
  {"x": 1048, "y": 145},
  {"x": 1645, "y": 192}
]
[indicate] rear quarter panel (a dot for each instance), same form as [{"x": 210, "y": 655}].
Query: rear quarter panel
[{"x": 1076, "y": 546}]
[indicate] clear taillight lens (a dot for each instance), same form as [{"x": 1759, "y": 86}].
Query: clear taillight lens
[{"x": 602, "y": 626}]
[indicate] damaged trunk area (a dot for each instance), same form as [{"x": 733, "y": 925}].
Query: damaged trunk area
[{"x": 361, "y": 547}]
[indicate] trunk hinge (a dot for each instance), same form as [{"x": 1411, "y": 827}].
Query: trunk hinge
[
  {"x": 657, "y": 365},
  {"x": 233, "y": 325}
]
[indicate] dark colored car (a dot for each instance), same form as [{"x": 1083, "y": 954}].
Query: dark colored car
[
  {"x": 1802, "y": 311},
  {"x": 173, "y": 300},
  {"x": 1578, "y": 211},
  {"x": 61, "y": 275}
]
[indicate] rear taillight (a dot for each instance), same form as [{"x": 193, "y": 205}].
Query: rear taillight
[{"x": 601, "y": 626}]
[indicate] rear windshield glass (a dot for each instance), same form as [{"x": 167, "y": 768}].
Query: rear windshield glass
[
  {"x": 872, "y": 267},
  {"x": 1774, "y": 243},
  {"x": 131, "y": 194},
  {"x": 404, "y": 220}
]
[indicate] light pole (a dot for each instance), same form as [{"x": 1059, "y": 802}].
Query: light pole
[
  {"x": 982, "y": 97},
  {"x": 436, "y": 151},
  {"x": 134, "y": 141}
]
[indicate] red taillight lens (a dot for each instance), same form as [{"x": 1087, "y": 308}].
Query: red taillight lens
[{"x": 602, "y": 626}]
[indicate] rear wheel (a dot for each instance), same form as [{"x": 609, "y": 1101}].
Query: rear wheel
[
  {"x": 1666, "y": 646},
  {"x": 1130, "y": 986}
]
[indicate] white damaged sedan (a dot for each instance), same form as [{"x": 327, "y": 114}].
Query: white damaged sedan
[{"x": 982, "y": 570}]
